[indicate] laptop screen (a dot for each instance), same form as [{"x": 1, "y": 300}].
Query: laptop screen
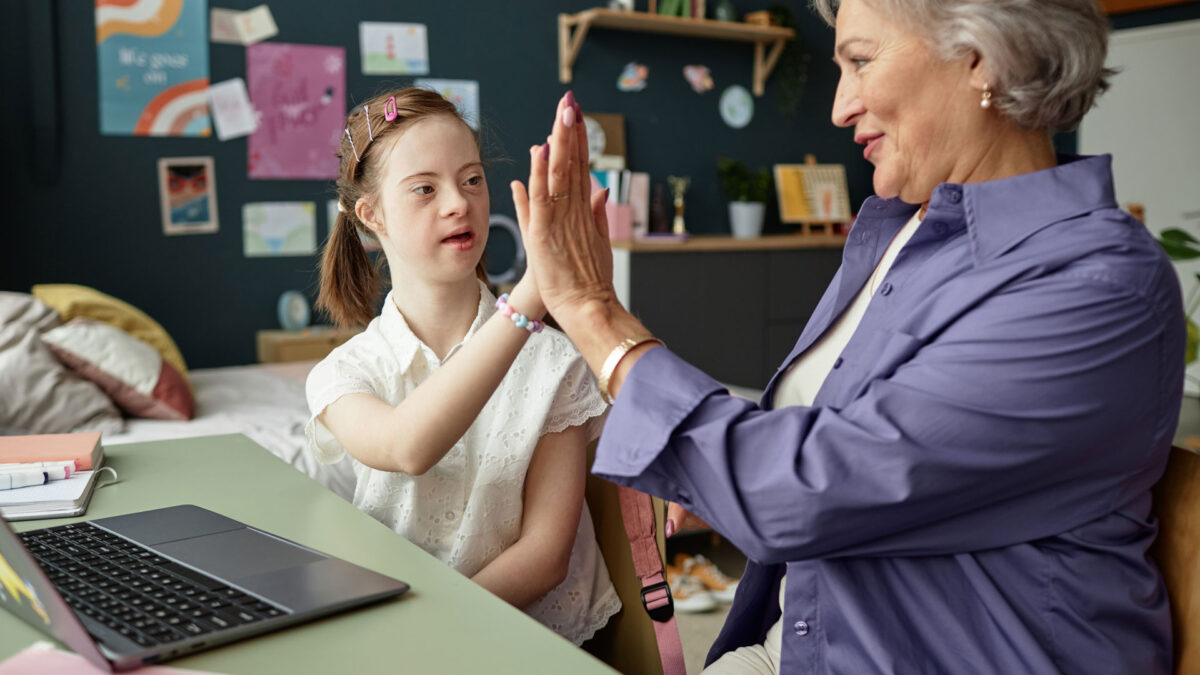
[{"x": 26, "y": 592}]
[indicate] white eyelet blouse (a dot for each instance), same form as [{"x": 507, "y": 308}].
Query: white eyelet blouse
[{"x": 467, "y": 509}]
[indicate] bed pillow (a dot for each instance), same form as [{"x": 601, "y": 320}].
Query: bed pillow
[
  {"x": 39, "y": 395},
  {"x": 138, "y": 379},
  {"x": 73, "y": 301}
]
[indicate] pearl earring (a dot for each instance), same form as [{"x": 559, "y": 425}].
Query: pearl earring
[{"x": 985, "y": 100}]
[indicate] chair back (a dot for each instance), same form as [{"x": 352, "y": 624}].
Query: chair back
[
  {"x": 628, "y": 643},
  {"x": 1177, "y": 552}
]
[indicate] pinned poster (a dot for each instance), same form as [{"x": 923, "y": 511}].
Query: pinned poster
[
  {"x": 393, "y": 48},
  {"x": 152, "y": 59},
  {"x": 231, "y": 26},
  {"x": 279, "y": 229},
  {"x": 299, "y": 92},
  {"x": 464, "y": 94},
  {"x": 232, "y": 113},
  {"x": 633, "y": 77}
]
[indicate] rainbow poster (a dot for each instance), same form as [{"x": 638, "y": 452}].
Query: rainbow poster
[{"x": 153, "y": 66}]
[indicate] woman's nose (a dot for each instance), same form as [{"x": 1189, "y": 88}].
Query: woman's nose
[{"x": 847, "y": 105}]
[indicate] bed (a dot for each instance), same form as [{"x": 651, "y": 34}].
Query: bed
[
  {"x": 75, "y": 359},
  {"x": 264, "y": 401}
]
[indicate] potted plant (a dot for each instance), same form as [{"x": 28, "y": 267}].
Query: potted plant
[
  {"x": 747, "y": 192},
  {"x": 1180, "y": 245}
]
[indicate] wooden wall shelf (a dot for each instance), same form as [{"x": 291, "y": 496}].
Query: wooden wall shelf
[{"x": 573, "y": 28}]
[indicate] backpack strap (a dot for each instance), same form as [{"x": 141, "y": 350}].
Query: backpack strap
[{"x": 637, "y": 511}]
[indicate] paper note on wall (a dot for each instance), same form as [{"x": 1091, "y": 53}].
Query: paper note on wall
[
  {"x": 232, "y": 113},
  {"x": 299, "y": 92},
  {"x": 152, "y": 59},
  {"x": 464, "y": 94},
  {"x": 279, "y": 229},
  {"x": 236, "y": 27},
  {"x": 393, "y": 48}
]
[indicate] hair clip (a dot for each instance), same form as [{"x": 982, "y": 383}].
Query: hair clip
[
  {"x": 367, "y": 114},
  {"x": 356, "y": 157},
  {"x": 389, "y": 109}
]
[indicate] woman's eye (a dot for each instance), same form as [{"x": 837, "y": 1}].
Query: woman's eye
[{"x": 858, "y": 63}]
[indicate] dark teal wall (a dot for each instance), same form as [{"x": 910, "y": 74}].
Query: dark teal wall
[{"x": 85, "y": 210}]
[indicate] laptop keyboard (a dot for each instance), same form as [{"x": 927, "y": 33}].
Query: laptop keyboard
[{"x": 136, "y": 592}]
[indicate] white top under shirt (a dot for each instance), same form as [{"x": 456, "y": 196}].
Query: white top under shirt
[
  {"x": 467, "y": 509},
  {"x": 799, "y": 386}
]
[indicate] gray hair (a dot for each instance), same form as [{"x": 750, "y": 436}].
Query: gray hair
[{"x": 1045, "y": 57}]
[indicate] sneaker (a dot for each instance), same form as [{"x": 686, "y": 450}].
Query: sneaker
[
  {"x": 721, "y": 586},
  {"x": 688, "y": 594}
]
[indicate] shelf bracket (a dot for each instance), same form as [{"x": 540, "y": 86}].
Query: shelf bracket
[
  {"x": 569, "y": 44},
  {"x": 764, "y": 66}
]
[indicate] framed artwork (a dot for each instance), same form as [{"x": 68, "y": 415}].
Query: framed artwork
[
  {"x": 812, "y": 193},
  {"x": 187, "y": 193}
]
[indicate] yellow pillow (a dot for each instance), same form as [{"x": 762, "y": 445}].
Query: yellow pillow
[{"x": 72, "y": 301}]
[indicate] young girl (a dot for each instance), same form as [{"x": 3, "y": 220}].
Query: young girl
[{"x": 466, "y": 424}]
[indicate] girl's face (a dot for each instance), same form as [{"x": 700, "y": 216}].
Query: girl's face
[{"x": 431, "y": 212}]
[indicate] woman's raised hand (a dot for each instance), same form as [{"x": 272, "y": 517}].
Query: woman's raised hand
[{"x": 565, "y": 229}]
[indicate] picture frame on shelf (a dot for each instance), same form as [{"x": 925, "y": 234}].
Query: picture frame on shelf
[
  {"x": 187, "y": 192},
  {"x": 811, "y": 193}
]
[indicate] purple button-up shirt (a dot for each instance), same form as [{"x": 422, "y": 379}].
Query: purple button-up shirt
[{"x": 969, "y": 492}]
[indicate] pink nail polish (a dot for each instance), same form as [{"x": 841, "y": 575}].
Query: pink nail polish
[
  {"x": 569, "y": 117},
  {"x": 546, "y": 151},
  {"x": 570, "y": 98},
  {"x": 669, "y": 528}
]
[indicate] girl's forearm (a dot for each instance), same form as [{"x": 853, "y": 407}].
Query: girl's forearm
[
  {"x": 417, "y": 433},
  {"x": 524, "y": 572}
]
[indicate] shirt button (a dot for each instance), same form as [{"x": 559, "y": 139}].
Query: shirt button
[
  {"x": 955, "y": 196},
  {"x": 801, "y": 628},
  {"x": 838, "y": 362},
  {"x": 450, "y": 515},
  {"x": 886, "y": 288}
]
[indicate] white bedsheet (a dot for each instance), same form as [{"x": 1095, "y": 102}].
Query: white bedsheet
[{"x": 264, "y": 402}]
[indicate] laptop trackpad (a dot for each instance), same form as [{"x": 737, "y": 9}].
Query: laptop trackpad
[{"x": 239, "y": 553}]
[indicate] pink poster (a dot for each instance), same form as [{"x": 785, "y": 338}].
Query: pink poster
[{"x": 300, "y": 93}]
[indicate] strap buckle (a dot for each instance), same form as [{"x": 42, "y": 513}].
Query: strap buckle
[{"x": 661, "y": 612}]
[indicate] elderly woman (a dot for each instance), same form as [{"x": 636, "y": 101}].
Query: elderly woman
[{"x": 950, "y": 472}]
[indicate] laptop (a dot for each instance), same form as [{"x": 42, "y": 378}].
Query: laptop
[{"x": 151, "y": 586}]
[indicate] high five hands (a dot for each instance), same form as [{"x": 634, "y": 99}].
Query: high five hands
[{"x": 564, "y": 227}]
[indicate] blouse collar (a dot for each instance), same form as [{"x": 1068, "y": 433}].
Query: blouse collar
[{"x": 406, "y": 344}]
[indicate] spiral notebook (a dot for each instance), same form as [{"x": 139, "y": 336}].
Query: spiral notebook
[{"x": 54, "y": 499}]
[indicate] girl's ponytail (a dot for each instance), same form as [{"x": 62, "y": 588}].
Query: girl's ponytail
[{"x": 349, "y": 280}]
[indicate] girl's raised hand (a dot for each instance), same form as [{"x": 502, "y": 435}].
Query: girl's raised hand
[{"x": 566, "y": 232}]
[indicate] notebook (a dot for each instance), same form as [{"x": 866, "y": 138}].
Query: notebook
[
  {"x": 53, "y": 499},
  {"x": 151, "y": 586},
  {"x": 83, "y": 447}
]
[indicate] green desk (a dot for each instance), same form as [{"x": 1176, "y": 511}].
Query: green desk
[{"x": 445, "y": 624}]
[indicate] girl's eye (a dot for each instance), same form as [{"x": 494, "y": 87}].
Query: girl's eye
[
  {"x": 423, "y": 189},
  {"x": 474, "y": 180}
]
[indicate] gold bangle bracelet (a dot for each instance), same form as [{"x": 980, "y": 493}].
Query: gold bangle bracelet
[{"x": 614, "y": 359}]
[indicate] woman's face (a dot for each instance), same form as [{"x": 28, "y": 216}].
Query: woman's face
[
  {"x": 915, "y": 114},
  {"x": 431, "y": 212}
]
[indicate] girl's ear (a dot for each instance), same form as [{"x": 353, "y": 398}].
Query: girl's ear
[{"x": 367, "y": 215}]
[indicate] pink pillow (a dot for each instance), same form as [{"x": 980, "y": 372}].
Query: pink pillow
[{"x": 130, "y": 371}]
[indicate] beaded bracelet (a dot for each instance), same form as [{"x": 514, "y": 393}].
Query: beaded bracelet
[{"x": 521, "y": 321}]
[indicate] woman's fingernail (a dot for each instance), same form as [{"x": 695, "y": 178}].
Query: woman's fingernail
[
  {"x": 669, "y": 529},
  {"x": 570, "y": 98},
  {"x": 546, "y": 151},
  {"x": 569, "y": 117}
]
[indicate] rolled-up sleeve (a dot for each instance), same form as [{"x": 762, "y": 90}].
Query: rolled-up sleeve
[{"x": 985, "y": 433}]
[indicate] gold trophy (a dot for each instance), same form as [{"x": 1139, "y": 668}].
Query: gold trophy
[{"x": 679, "y": 186}]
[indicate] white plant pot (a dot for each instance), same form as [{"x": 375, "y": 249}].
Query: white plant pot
[{"x": 746, "y": 219}]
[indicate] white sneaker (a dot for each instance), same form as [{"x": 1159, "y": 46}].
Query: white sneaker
[{"x": 688, "y": 594}]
